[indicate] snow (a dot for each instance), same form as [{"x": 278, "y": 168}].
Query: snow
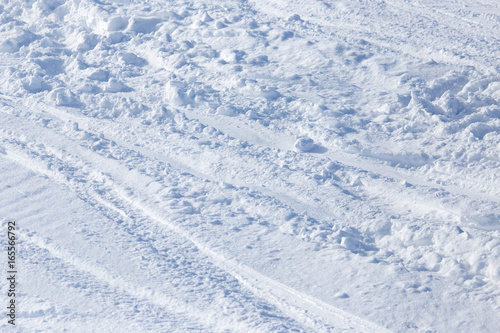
[
  {"x": 252, "y": 166},
  {"x": 304, "y": 144}
]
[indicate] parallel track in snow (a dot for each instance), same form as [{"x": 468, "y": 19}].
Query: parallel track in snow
[
  {"x": 313, "y": 313},
  {"x": 178, "y": 162}
]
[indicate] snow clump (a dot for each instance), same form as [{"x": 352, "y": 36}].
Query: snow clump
[{"x": 304, "y": 144}]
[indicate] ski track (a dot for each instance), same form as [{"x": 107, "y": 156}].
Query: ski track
[
  {"x": 65, "y": 117},
  {"x": 301, "y": 307},
  {"x": 215, "y": 323},
  {"x": 357, "y": 164},
  {"x": 128, "y": 111},
  {"x": 273, "y": 291}
]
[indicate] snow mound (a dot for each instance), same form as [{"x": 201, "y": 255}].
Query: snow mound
[{"x": 304, "y": 144}]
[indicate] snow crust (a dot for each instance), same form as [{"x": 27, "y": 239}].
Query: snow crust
[{"x": 252, "y": 166}]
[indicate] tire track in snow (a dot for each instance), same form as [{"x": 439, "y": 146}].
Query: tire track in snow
[
  {"x": 343, "y": 26},
  {"x": 302, "y": 307},
  {"x": 171, "y": 305},
  {"x": 316, "y": 314},
  {"x": 261, "y": 137},
  {"x": 284, "y": 141},
  {"x": 417, "y": 195},
  {"x": 414, "y": 198},
  {"x": 204, "y": 316}
]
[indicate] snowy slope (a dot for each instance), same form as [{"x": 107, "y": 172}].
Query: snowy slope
[{"x": 252, "y": 166}]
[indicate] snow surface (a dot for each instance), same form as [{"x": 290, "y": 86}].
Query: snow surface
[{"x": 252, "y": 166}]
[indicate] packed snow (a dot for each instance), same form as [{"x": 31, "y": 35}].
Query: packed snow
[{"x": 252, "y": 166}]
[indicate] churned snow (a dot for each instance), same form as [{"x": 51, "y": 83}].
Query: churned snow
[{"x": 252, "y": 166}]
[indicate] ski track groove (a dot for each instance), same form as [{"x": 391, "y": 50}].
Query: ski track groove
[
  {"x": 346, "y": 30},
  {"x": 99, "y": 272},
  {"x": 392, "y": 189},
  {"x": 269, "y": 140},
  {"x": 156, "y": 298},
  {"x": 285, "y": 298},
  {"x": 389, "y": 173}
]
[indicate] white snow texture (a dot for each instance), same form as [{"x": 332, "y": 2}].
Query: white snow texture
[{"x": 251, "y": 166}]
